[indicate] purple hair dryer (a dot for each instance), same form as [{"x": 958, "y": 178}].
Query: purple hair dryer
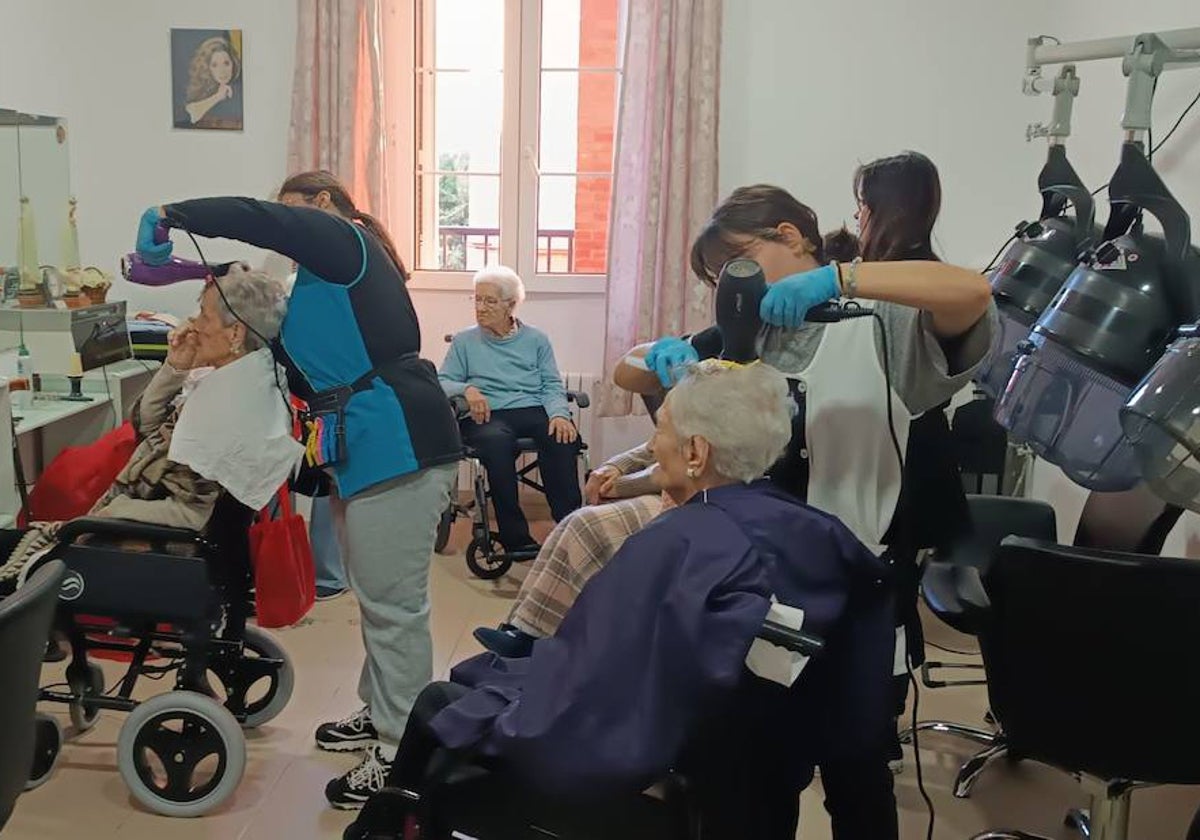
[{"x": 175, "y": 270}]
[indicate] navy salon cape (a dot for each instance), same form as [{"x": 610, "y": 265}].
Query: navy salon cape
[{"x": 658, "y": 639}]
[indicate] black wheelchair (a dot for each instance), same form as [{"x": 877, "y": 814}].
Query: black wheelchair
[
  {"x": 486, "y": 557},
  {"x": 179, "y": 608},
  {"x": 475, "y": 798}
]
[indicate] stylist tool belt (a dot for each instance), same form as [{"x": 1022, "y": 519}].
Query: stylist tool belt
[{"x": 321, "y": 420}]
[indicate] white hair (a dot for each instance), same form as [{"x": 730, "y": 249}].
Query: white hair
[
  {"x": 503, "y": 277},
  {"x": 745, "y": 414},
  {"x": 258, "y": 300}
]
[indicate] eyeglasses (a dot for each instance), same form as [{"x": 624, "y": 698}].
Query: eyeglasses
[{"x": 489, "y": 302}]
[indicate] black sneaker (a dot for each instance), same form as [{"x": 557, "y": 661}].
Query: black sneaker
[
  {"x": 355, "y": 732},
  {"x": 351, "y": 792},
  {"x": 390, "y": 814},
  {"x": 510, "y": 643}
]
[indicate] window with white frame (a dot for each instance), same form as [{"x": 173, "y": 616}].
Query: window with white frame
[{"x": 514, "y": 112}]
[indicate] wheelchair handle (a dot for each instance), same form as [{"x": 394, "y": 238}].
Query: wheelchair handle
[
  {"x": 797, "y": 641},
  {"x": 126, "y": 528}
]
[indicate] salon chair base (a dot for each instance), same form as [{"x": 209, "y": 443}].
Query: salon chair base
[
  {"x": 1106, "y": 819},
  {"x": 992, "y": 741}
]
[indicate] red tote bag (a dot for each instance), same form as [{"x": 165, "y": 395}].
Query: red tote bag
[
  {"x": 284, "y": 577},
  {"x": 77, "y": 478}
]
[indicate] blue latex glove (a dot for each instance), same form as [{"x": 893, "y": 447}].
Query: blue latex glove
[
  {"x": 151, "y": 252},
  {"x": 668, "y": 357},
  {"x": 787, "y": 301}
]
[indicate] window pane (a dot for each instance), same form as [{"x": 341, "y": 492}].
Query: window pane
[
  {"x": 458, "y": 223},
  {"x": 468, "y": 34},
  {"x": 560, "y": 33},
  {"x": 469, "y": 115},
  {"x": 578, "y": 115},
  {"x": 573, "y": 224},
  {"x": 580, "y": 33}
]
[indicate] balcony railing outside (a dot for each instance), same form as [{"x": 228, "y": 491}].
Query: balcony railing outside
[{"x": 464, "y": 248}]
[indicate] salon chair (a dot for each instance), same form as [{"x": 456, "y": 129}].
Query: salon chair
[
  {"x": 951, "y": 588},
  {"x": 980, "y": 446},
  {"x": 25, "y": 619},
  {"x": 1087, "y": 670}
]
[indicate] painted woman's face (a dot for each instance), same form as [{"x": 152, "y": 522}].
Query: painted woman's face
[{"x": 221, "y": 67}]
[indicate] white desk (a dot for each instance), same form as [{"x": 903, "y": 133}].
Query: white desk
[{"x": 47, "y": 427}]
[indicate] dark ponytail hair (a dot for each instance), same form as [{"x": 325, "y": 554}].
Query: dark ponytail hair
[
  {"x": 842, "y": 245},
  {"x": 903, "y": 196},
  {"x": 755, "y": 211},
  {"x": 311, "y": 184}
]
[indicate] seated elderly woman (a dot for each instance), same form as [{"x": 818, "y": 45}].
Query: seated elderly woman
[
  {"x": 211, "y": 420},
  {"x": 506, "y": 371},
  {"x": 657, "y": 643},
  {"x": 623, "y": 496}
]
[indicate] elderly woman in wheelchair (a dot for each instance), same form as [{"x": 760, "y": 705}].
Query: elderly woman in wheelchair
[
  {"x": 159, "y": 571},
  {"x": 656, "y": 667},
  {"x": 506, "y": 372}
]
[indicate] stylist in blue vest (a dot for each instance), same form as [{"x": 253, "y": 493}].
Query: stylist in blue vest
[{"x": 378, "y": 422}]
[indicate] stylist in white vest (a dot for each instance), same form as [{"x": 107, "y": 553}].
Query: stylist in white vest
[{"x": 938, "y": 322}]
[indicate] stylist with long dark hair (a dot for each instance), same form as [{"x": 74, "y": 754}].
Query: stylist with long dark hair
[
  {"x": 851, "y": 398},
  {"x": 899, "y": 199},
  {"x": 377, "y": 421}
]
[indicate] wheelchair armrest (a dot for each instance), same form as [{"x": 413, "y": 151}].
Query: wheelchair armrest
[
  {"x": 797, "y": 641},
  {"x": 580, "y": 398},
  {"x": 458, "y": 403},
  {"x": 125, "y": 529}
]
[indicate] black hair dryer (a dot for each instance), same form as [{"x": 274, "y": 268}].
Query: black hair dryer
[{"x": 740, "y": 290}]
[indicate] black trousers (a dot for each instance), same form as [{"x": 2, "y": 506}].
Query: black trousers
[
  {"x": 749, "y": 767},
  {"x": 495, "y": 442},
  {"x": 419, "y": 744}
]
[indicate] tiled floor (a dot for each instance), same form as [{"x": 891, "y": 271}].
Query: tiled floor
[{"x": 281, "y": 794}]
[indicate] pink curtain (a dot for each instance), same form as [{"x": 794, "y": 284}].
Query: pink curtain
[
  {"x": 337, "y": 98},
  {"x": 665, "y": 184}
]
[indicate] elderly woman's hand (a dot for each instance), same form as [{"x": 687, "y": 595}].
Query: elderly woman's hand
[
  {"x": 481, "y": 412},
  {"x": 600, "y": 484},
  {"x": 182, "y": 345},
  {"x": 563, "y": 430}
]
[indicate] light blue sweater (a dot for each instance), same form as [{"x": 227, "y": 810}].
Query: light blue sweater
[{"x": 518, "y": 371}]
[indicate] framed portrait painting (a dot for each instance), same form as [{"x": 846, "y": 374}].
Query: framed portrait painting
[{"x": 207, "y": 78}]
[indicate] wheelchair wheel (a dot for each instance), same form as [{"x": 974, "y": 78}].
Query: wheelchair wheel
[
  {"x": 181, "y": 754},
  {"x": 443, "y": 529},
  {"x": 486, "y": 557},
  {"x": 47, "y": 745},
  {"x": 83, "y": 719},
  {"x": 264, "y": 690}
]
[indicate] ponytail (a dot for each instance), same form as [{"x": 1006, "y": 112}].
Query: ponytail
[
  {"x": 377, "y": 229},
  {"x": 312, "y": 184}
]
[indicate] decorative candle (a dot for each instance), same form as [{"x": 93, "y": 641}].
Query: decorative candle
[{"x": 27, "y": 256}]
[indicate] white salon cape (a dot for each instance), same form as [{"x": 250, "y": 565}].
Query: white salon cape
[{"x": 235, "y": 429}]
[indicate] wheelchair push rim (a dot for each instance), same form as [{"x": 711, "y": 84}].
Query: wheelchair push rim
[{"x": 181, "y": 754}]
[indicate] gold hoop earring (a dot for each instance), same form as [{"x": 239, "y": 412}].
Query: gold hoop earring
[{"x": 691, "y": 472}]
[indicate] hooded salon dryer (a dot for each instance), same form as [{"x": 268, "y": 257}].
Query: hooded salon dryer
[
  {"x": 1035, "y": 267},
  {"x": 1102, "y": 333}
]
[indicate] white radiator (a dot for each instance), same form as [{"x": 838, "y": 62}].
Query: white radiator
[{"x": 585, "y": 419}]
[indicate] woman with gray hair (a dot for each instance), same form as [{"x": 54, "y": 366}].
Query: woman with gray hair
[
  {"x": 212, "y": 420},
  {"x": 648, "y": 671},
  {"x": 505, "y": 369}
]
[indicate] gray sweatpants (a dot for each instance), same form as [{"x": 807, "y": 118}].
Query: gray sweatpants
[{"x": 387, "y": 535}]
